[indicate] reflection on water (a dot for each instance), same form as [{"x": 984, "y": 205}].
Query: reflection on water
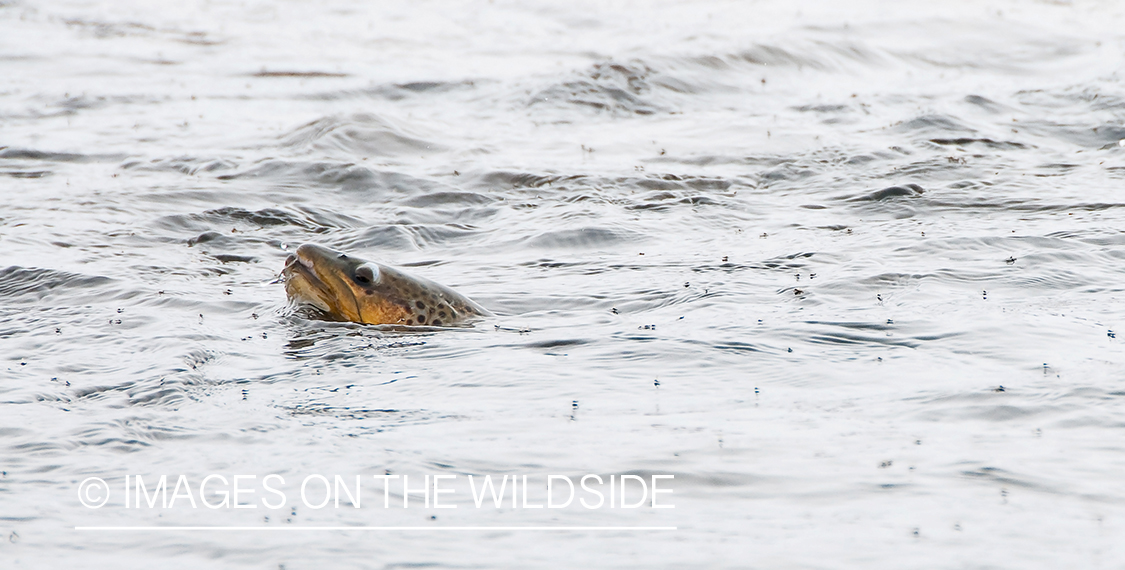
[{"x": 852, "y": 273}]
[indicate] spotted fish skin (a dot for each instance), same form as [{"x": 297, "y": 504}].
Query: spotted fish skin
[{"x": 346, "y": 288}]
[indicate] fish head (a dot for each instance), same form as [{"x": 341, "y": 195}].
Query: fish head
[{"x": 340, "y": 286}]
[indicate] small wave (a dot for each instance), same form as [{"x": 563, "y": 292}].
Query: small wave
[
  {"x": 801, "y": 56},
  {"x": 335, "y": 175},
  {"x": 1103, "y": 136},
  {"x": 104, "y": 30},
  {"x": 967, "y": 141},
  {"x": 396, "y": 91},
  {"x": 207, "y": 222},
  {"x": 381, "y": 237},
  {"x": 859, "y": 339},
  {"x": 904, "y": 191},
  {"x": 685, "y": 182},
  {"x": 998, "y": 476},
  {"x": 405, "y": 237},
  {"x": 787, "y": 172},
  {"x": 820, "y": 56},
  {"x": 515, "y": 180},
  {"x": 934, "y": 123},
  {"x": 7, "y": 153},
  {"x": 787, "y": 262},
  {"x": 182, "y": 164},
  {"x": 583, "y": 238},
  {"x": 28, "y": 285},
  {"x": 26, "y": 173},
  {"x": 665, "y": 200},
  {"x": 299, "y": 74},
  {"x": 873, "y": 334},
  {"x": 823, "y": 108},
  {"x": 358, "y": 135},
  {"x": 986, "y": 104},
  {"x": 431, "y": 235},
  {"x": 615, "y": 88},
  {"x": 445, "y": 199}
]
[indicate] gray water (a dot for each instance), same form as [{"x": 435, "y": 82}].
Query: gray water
[{"x": 851, "y": 273}]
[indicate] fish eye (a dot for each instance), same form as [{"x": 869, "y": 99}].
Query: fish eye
[{"x": 364, "y": 275}]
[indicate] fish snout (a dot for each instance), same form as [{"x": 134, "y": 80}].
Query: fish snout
[
  {"x": 302, "y": 262},
  {"x": 308, "y": 254}
]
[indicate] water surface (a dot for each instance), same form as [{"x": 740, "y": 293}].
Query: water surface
[{"x": 852, "y": 273}]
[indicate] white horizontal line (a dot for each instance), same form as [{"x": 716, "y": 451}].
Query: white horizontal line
[{"x": 435, "y": 527}]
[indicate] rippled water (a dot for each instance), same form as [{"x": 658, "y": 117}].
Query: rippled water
[{"x": 851, "y": 272}]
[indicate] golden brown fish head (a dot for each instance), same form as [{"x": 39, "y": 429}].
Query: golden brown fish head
[{"x": 347, "y": 288}]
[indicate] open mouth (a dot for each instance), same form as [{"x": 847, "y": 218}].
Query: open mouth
[
  {"x": 304, "y": 267},
  {"x": 293, "y": 258}
]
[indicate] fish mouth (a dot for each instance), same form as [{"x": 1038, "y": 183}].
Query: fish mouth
[
  {"x": 303, "y": 266},
  {"x": 300, "y": 268}
]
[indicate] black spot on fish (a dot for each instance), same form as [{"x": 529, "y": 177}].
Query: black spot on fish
[
  {"x": 422, "y": 320},
  {"x": 441, "y": 314},
  {"x": 409, "y": 321},
  {"x": 436, "y": 323},
  {"x": 420, "y": 305}
]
